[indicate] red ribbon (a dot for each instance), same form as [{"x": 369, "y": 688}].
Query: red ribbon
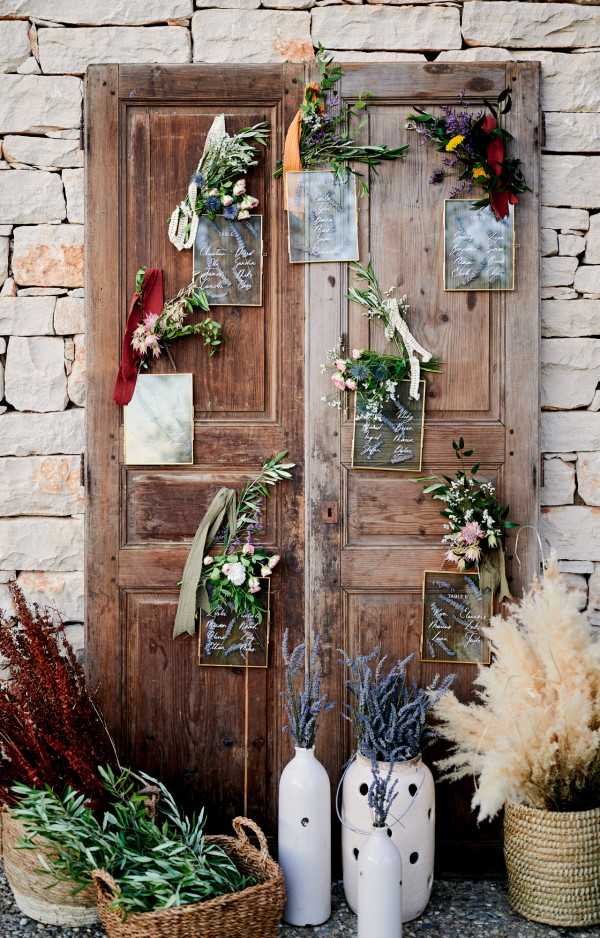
[
  {"x": 499, "y": 199},
  {"x": 150, "y": 300}
]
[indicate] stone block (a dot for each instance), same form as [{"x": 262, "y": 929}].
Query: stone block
[
  {"x": 571, "y": 219},
  {"x": 569, "y": 82},
  {"x": 571, "y": 180},
  {"x": 44, "y": 434},
  {"x": 572, "y": 133},
  {"x": 559, "y": 483},
  {"x": 570, "y": 372},
  {"x": 42, "y": 152},
  {"x": 72, "y": 50},
  {"x": 570, "y": 245},
  {"x": 37, "y": 103},
  {"x": 4, "y": 258},
  {"x": 48, "y": 255},
  {"x": 573, "y": 531},
  {"x": 558, "y": 271},
  {"x": 549, "y": 242},
  {"x": 276, "y": 36},
  {"x": 28, "y": 197},
  {"x": 35, "y": 374},
  {"x": 77, "y": 378},
  {"x": 378, "y": 57},
  {"x": 558, "y": 293},
  {"x": 575, "y": 566},
  {"x": 564, "y": 318},
  {"x": 577, "y": 585},
  {"x": 41, "y": 485},
  {"x": 592, "y": 247},
  {"x": 588, "y": 477},
  {"x": 73, "y": 183},
  {"x": 69, "y": 315},
  {"x": 27, "y": 315},
  {"x": 62, "y": 594},
  {"x": 29, "y": 67},
  {"x": 479, "y": 54},
  {"x": 14, "y": 44},
  {"x": 47, "y": 544},
  {"x": 99, "y": 12},
  {"x": 578, "y": 431},
  {"x": 530, "y": 25},
  {"x": 417, "y": 28},
  {"x": 587, "y": 279}
]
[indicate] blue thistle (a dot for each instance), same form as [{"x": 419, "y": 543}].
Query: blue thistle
[
  {"x": 230, "y": 212},
  {"x": 198, "y": 178},
  {"x": 212, "y": 203}
]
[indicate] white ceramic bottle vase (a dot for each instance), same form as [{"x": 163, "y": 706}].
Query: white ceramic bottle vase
[
  {"x": 414, "y": 837},
  {"x": 379, "y": 887},
  {"x": 305, "y": 839}
]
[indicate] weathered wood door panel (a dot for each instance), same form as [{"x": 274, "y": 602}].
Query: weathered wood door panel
[
  {"x": 213, "y": 733},
  {"x": 366, "y": 572}
]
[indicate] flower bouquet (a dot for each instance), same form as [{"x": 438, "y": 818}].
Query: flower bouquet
[
  {"x": 476, "y": 145},
  {"x": 218, "y": 186},
  {"x": 157, "y": 330},
  {"x": 475, "y": 520},
  {"x": 322, "y": 129}
]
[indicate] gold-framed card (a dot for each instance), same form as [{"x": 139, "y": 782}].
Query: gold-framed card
[
  {"x": 322, "y": 213},
  {"x": 454, "y": 614},
  {"x": 228, "y": 260},
  {"x": 228, "y": 640},
  {"x": 479, "y": 249},
  {"x": 391, "y": 438}
]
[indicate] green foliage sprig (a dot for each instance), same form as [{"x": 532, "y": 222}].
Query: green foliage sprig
[
  {"x": 158, "y": 330},
  {"x": 157, "y": 862},
  {"x": 327, "y": 133}
]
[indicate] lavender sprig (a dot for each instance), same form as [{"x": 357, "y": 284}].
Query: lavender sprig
[
  {"x": 388, "y": 713},
  {"x": 304, "y": 702},
  {"x": 381, "y": 794}
]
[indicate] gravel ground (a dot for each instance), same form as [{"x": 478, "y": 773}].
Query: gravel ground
[{"x": 457, "y": 910}]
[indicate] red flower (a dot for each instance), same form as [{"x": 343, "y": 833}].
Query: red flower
[{"x": 499, "y": 199}]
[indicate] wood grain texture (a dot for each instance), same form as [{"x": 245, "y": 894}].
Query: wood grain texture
[
  {"x": 103, "y": 262},
  {"x": 214, "y": 734},
  {"x": 368, "y": 569}
]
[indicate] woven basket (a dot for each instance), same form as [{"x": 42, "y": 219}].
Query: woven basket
[
  {"x": 50, "y": 904},
  {"x": 253, "y": 913},
  {"x": 553, "y": 863}
]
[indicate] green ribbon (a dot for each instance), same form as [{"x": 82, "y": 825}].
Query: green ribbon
[
  {"x": 193, "y": 594},
  {"x": 492, "y": 574}
]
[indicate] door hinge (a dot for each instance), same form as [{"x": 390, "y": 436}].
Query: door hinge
[
  {"x": 82, "y": 133},
  {"x": 329, "y": 512},
  {"x": 543, "y": 130},
  {"x": 83, "y": 472}
]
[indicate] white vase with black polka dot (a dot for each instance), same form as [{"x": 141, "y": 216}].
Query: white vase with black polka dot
[
  {"x": 379, "y": 887},
  {"x": 411, "y": 827},
  {"x": 305, "y": 839}
]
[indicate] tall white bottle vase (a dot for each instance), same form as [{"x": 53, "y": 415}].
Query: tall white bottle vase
[
  {"x": 305, "y": 839},
  {"x": 414, "y": 837},
  {"x": 379, "y": 887}
]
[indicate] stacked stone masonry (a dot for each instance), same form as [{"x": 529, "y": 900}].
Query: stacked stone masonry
[{"x": 45, "y": 47}]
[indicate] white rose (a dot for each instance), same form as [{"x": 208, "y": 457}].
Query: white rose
[
  {"x": 240, "y": 187},
  {"x": 236, "y": 574}
]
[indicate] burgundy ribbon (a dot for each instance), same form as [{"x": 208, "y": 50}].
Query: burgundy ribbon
[
  {"x": 499, "y": 198},
  {"x": 150, "y": 300}
]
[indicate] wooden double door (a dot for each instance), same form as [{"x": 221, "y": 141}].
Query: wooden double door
[{"x": 354, "y": 544}]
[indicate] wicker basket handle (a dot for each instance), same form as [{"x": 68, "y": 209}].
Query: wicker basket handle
[
  {"x": 105, "y": 882},
  {"x": 239, "y": 823}
]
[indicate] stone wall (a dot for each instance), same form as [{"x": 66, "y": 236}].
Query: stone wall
[{"x": 45, "y": 46}]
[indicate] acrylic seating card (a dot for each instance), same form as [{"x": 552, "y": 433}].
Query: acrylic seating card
[
  {"x": 479, "y": 249},
  {"x": 228, "y": 260},
  {"x": 230, "y": 640},
  {"x": 389, "y": 435},
  {"x": 158, "y": 424},
  {"x": 454, "y": 613},
  {"x": 322, "y": 217}
]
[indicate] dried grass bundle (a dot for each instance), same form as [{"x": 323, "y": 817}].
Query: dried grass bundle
[{"x": 533, "y": 736}]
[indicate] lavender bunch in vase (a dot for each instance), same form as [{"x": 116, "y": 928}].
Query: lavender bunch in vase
[
  {"x": 380, "y": 864},
  {"x": 304, "y": 827},
  {"x": 389, "y": 715}
]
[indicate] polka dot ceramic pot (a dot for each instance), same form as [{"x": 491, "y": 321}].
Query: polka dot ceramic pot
[{"x": 411, "y": 825}]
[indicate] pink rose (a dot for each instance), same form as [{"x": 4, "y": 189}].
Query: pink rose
[
  {"x": 227, "y": 200},
  {"x": 339, "y": 381},
  {"x": 340, "y": 364},
  {"x": 356, "y": 353},
  {"x": 240, "y": 187},
  {"x": 248, "y": 548},
  {"x": 254, "y": 585},
  {"x": 273, "y": 561},
  {"x": 351, "y": 384}
]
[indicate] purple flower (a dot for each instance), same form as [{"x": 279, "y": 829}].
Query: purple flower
[
  {"x": 437, "y": 177},
  {"x": 230, "y": 212}
]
